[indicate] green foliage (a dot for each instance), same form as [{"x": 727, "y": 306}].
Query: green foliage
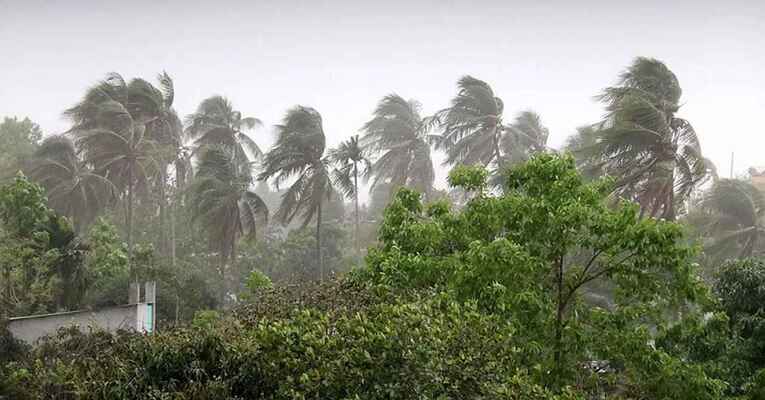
[
  {"x": 533, "y": 253},
  {"x": 293, "y": 258},
  {"x": 107, "y": 265},
  {"x": 18, "y": 140},
  {"x": 468, "y": 178},
  {"x": 40, "y": 255},
  {"x": 422, "y": 349}
]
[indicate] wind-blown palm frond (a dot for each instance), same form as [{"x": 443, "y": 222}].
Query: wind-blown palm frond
[
  {"x": 400, "y": 133},
  {"x": 472, "y": 126},
  {"x": 222, "y": 201},
  {"x": 654, "y": 155},
  {"x": 216, "y": 123},
  {"x": 299, "y": 154},
  {"x": 119, "y": 128},
  {"x": 733, "y": 223},
  {"x": 347, "y": 157},
  {"x": 73, "y": 189}
]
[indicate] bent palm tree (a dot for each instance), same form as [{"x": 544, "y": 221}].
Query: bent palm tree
[
  {"x": 472, "y": 125},
  {"x": 400, "y": 133},
  {"x": 523, "y": 138},
  {"x": 164, "y": 127},
  {"x": 732, "y": 219},
  {"x": 114, "y": 141},
  {"x": 348, "y": 156},
  {"x": 299, "y": 153},
  {"x": 654, "y": 155},
  {"x": 216, "y": 123},
  {"x": 222, "y": 201},
  {"x": 73, "y": 189},
  {"x": 583, "y": 145}
]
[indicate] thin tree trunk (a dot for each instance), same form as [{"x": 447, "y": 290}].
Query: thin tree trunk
[
  {"x": 130, "y": 222},
  {"x": 558, "y": 344},
  {"x": 356, "y": 201},
  {"x": 497, "y": 154},
  {"x": 318, "y": 243},
  {"x": 172, "y": 233},
  {"x": 163, "y": 242},
  {"x": 177, "y": 308},
  {"x": 223, "y": 278}
]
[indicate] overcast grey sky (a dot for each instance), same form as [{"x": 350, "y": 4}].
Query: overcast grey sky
[{"x": 341, "y": 57}]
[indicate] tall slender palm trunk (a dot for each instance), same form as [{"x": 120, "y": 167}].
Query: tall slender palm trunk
[
  {"x": 318, "y": 243},
  {"x": 130, "y": 223},
  {"x": 356, "y": 201}
]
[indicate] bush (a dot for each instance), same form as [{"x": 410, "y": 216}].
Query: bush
[{"x": 421, "y": 349}]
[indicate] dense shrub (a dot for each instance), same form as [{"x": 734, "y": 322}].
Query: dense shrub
[{"x": 423, "y": 349}]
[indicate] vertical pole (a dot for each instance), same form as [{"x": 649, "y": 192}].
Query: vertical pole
[{"x": 731, "y": 165}]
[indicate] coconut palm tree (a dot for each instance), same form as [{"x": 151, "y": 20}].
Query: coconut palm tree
[
  {"x": 110, "y": 129},
  {"x": 221, "y": 200},
  {"x": 400, "y": 133},
  {"x": 155, "y": 104},
  {"x": 299, "y": 153},
  {"x": 217, "y": 123},
  {"x": 731, "y": 218},
  {"x": 472, "y": 125},
  {"x": 654, "y": 155},
  {"x": 583, "y": 145},
  {"x": 523, "y": 138},
  {"x": 73, "y": 189},
  {"x": 348, "y": 156}
]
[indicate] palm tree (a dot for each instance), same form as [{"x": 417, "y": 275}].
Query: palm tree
[
  {"x": 299, "y": 153},
  {"x": 166, "y": 130},
  {"x": 73, "y": 189},
  {"x": 348, "y": 155},
  {"x": 400, "y": 133},
  {"x": 222, "y": 201},
  {"x": 217, "y": 123},
  {"x": 731, "y": 217},
  {"x": 472, "y": 125},
  {"x": 523, "y": 138},
  {"x": 110, "y": 128},
  {"x": 654, "y": 155},
  {"x": 583, "y": 145}
]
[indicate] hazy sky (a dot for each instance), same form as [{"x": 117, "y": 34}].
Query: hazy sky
[{"x": 341, "y": 57}]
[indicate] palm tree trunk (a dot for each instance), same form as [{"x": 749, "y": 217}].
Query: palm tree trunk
[
  {"x": 172, "y": 233},
  {"x": 318, "y": 243},
  {"x": 356, "y": 201},
  {"x": 163, "y": 242},
  {"x": 222, "y": 278},
  {"x": 130, "y": 222},
  {"x": 497, "y": 155}
]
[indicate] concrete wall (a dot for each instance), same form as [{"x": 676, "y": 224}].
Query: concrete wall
[{"x": 33, "y": 327}]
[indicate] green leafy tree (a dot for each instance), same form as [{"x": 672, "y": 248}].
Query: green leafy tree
[
  {"x": 72, "y": 187},
  {"x": 221, "y": 200},
  {"x": 40, "y": 254},
  {"x": 107, "y": 265},
  {"x": 531, "y": 254},
  {"x": 347, "y": 156},
  {"x": 654, "y": 155},
  {"x": 399, "y": 131},
  {"x": 18, "y": 140},
  {"x": 299, "y": 153}
]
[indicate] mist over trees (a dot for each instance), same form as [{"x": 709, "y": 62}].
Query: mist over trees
[{"x": 619, "y": 266}]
